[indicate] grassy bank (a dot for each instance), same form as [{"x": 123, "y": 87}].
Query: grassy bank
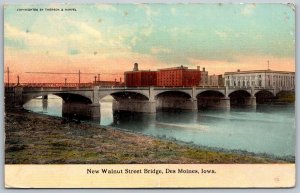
[{"x": 40, "y": 139}]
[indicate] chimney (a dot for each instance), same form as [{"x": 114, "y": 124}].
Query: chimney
[
  {"x": 136, "y": 67},
  {"x": 203, "y": 69},
  {"x": 198, "y": 68},
  {"x": 120, "y": 80}
]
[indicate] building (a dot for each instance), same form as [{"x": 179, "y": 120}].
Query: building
[
  {"x": 204, "y": 77},
  {"x": 216, "y": 80},
  {"x": 140, "y": 78},
  {"x": 178, "y": 77},
  {"x": 260, "y": 78}
]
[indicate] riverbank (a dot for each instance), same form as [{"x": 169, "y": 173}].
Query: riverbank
[{"x": 41, "y": 139}]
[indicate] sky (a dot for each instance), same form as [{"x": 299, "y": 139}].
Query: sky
[{"x": 109, "y": 38}]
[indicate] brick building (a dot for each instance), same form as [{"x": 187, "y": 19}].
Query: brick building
[
  {"x": 178, "y": 77},
  {"x": 140, "y": 78},
  {"x": 166, "y": 77}
]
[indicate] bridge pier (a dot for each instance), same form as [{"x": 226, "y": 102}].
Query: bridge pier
[
  {"x": 251, "y": 101},
  {"x": 75, "y": 110},
  {"x": 224, "y": 103},
  {"x": 45, "y": 102},
  {"x": 144, "y": 106},
  {"x": 18, "y": 97}
]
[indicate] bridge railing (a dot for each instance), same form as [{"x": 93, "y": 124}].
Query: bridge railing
[{"x": 50, "y": 85}]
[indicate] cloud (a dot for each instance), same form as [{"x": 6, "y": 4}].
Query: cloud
[
  {"x": 73, "y": 51},
  {"x": 105, "y": 7},
  {"x": 221, "y": 34},
  {"x": 248, "y": 9},
  {"x": 84, "y": 28},
  {"x": 29, "y": 38},
  {"x": 173, "y": 11},
  {"x": 160, "y": 50}
]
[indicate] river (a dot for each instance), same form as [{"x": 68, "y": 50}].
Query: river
[{"x": 266, "y": 129}]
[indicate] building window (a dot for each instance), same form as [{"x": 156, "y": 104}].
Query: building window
[{"x": 259, "y": 83}]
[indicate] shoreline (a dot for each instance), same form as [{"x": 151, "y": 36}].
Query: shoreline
[{"x": 33, "y": 138}]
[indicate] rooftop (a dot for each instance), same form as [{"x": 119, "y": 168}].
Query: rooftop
[
  {"x": 258, "y": 71},
  {"x": 174, "y": 68}
]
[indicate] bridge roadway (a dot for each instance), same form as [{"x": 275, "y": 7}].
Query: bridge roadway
[{"x": 140, "y": 99}]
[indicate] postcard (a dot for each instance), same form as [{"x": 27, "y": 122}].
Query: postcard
[{"x": 149, "y": 95}]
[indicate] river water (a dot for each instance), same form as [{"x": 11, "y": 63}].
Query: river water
[{"x": 267, "y": 129}]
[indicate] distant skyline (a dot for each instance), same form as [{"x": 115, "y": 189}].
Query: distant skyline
[{"x": 109, "y": 38}]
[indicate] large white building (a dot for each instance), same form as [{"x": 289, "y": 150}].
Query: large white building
[{"x": 260, "y": 78}]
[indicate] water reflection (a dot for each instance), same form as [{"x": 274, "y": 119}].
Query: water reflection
[{"x": 266, "y": 129}]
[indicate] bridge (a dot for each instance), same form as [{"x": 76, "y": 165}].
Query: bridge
[{"x": 84, "y": 101}]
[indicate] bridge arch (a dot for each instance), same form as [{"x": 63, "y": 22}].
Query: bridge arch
[
  {"x": 241, "y": 98},
  {"x": 264, "y": 96},
  {"x": 210, "y": 93},
  {"x": 286, "y": 96},
  {"x": 242, "y": 91},
  {"x": 74, "y": 105},
  {"x": 174, "y": 100},
  {"x": 122, "y": 95},
  {"x": 118, "y": 94},
  {"x": 221, "y": 91},
  {"x": 210, "y": 98},
  {"x": 65, "y": 96},
  {"x": 173, "y": 93}
]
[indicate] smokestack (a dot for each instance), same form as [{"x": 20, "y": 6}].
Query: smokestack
[
  {"x": 120, "y": 80},
  {"x": 136, "y": 67},
  {"x": 198, "y": 68},
  {"x": 203, "y": 69}
]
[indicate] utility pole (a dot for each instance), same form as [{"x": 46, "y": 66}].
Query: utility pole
[
  {"x": 7, "y": 76},
  {"x": 79, "y": 78}
]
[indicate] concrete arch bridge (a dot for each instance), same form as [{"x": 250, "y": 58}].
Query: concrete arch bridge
[{"x": 142, "y": 99}]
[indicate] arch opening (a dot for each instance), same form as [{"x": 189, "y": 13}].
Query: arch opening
[
  {"x": 210, "y": 99},
  {"x": 73, "y": 98},
  {"x": 132, "y": 102},
  {"x": 241, "y": 98},
  {"x": 46, "y": 104},
  {"x": 285, "y": 97},
  {"x": 264, "y": 97},
  {"x": 177, "y": 94},
  {"x": 128, "y": 96},
  {"x": 174, "y": 100}
]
